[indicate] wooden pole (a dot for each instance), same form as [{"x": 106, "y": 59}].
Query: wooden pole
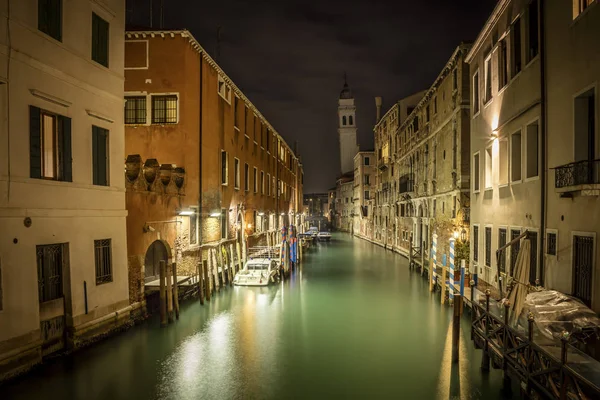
[
  {"x": 200, "y": 282},
  {"x": 169, "y": 294},
  {"x": 238, "y": 248},
  {"x": 163, "y": 294},
  {"x": 231, "y": 264},
  {"x": 206, "y": 282},
  {"x": 175, "y": 291},
  {"x": 443, "y": 283},
  {"x": 456, "y": 328},
  {"x": 223, "y": 266},
  {"x": 410, "y": 251}
]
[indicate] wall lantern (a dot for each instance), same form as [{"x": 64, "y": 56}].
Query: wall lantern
[
  {"x": 456, "y": 234},
  {"x": 186, "y": 212},
  {"x": 248, "y": 225},
  {"x": 260, "y": 214},
  {"x": 463, "y": 235},
  {"x": 215, "y": 214}
]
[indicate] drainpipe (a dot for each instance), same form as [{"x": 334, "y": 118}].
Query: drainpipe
[{"x": 543, "y": 118}]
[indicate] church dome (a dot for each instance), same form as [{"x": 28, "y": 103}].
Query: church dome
[{"x": 346, "y": 93}]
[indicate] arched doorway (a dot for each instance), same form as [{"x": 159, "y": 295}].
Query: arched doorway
[{"x": 156, "y": 252}]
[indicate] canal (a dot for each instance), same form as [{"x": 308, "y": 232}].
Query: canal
[{"x": 354, "y": 322}]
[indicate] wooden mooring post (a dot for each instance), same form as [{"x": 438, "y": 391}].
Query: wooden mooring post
[
  {"x": 485, "y": 359},
  {"x": 169, "y": 294},
  {"x": 207, "y": 292},
  {"x": 456, "y": 327},
  {"x": 163, "y": 293},
  {"x": 200, "y": 282},
  {"x": 410, "y": 252},
  {"x": 506, "y": 383},
  {"x": 175, "y": 291}
]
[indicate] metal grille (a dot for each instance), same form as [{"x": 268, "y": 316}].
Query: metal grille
[
  {"x": 135, "y": 110},
  {"x": 514, "y": 249},
  {"x": 475, "y": 243},
  {"x": 502, "y": 257},
  {"x": 551, "y": 243},
  {"x": 583, "y": 255},
  {"x": 49, "y": 263},
  {"x": 103, "y": 261},
  {"x": 577, "y": 173},
  {"x": 488, "y": 246},
  {"x": 164, "y": 109}
]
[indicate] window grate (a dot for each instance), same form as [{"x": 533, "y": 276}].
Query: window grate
[
  {"x": 475, "y": 243},
  {"x": 551, "y": 243},
  {"x": 49, "y": 263},
  {"x": 102, "y": 252},
  {"x": 488, "y": 246},
  {"x": 164, "y": 109},
  {"x": 502, "y": 257},
  {"x": 135, "y": 110}
]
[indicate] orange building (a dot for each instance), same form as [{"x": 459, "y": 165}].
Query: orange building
[{"x": 206, "y": 172}]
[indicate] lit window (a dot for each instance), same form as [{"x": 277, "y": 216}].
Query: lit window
[
  {"x": 579, "y": 6},
  {"x": 164, "y": 109},
  {"x": 236, "y": 177},
  {"x": 488, "y": 168},
  {"x": 135, "y": 109},
  {"x": 503, "y": 162}
]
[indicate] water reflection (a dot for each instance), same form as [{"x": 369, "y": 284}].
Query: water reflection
[{"x": 352, "y": 322}]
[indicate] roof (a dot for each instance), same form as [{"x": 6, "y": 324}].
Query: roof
[
  {"x": 487, "y": 28},
  {"x": 136, "y": 33}
]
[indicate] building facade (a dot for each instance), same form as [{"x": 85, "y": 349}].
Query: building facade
[
  {"x": 63, "y": 255},
  {"x": 506, "y": 189},
  {"x": 239, "y": 181},
  {"x": 572, "y": 72},
  {"x": 364, "y": 178},
  {"x": 344, "y": 199}
]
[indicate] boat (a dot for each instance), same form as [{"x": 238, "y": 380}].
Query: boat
[
  {"x": 261, "y": 269},
  {"x": 324, "y": 236}
]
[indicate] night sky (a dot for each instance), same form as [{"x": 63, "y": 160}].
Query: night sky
[{"x": 289, "y": 58}]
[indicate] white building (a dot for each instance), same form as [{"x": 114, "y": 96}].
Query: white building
[
  {"x": 572, "y": 57},
  {"x": 63, "y": 266},
  {"x": 506, "y": 188},
  {"x": 347, "y": 130},
  {"x": 364, "y": 190}
]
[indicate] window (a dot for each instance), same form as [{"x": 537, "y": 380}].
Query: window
[
  {"x": 514, "y": 248},
  {"x": 194, "y": 228},
  {"x": 255, "y": 180},
  {"x": 236, "y": 177},
  {"x": 455, "y": 79},
  {"x": 367, "y": 161},
  {"x": 164, "y": 109},
  {"x": 427, "y": 114},
  {"x": 274, "y": 188},
  {"x": 502, "y": 64},
  {"x": 224, "y": 168},
  {"x": 475, "y": 243},
  {"x": 434, "y": 207},
  {"x": 344, "y": 120},
  {"x": 50, "y": 260},
  {"x": 488, "y": 246},
  {"x": 487, "y": 180},
  {"x": 476, "y": 172},
  {"x": 99, "y": 40},
  {"x": 367, "y": 179},
  {"x": 103, "y": 258},
  {"x": 49, "y": 146},
  {"x": 551, "y": 243},
  {"x": 532, "y": 150},
  {"x": 236, "y": 101},
  {"x": 533, "y": 260},
  {"x": 503, "y": 162},
  {"x": 502, "y": 257},
  {"x": 223, "y": 224},
  {"x": 50, "y": 18},
  {"x": 515, "y": 157},
  {"x": 579, "y": 6},
  {"x": 476, "y": 92},
  {"x": 100, "y": 152},
  {"x": 135, "y": 109},
  {"x": 435, "y": 105},
  {"x": 1, "y": 305},
  {"x": 268, "y": 183},
  {"x": 246, "y": 177},
  {"x": 262, "y": 182},
  {"x": 488, "y": 78},
  {"x": 224, "y": 89},
  {"x": 351, "y": 120},
  {"x": 516, "y": 47},
  {"x": 366, "y": 195},
  {"x": 585, "y": 130},
  {"x": 246, "y": 121},
  {"x": 533, "y": 45}
]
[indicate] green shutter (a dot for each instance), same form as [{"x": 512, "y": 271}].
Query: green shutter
[
  {"x": 94, "y": 155},
  {"x": 66, "y": 160},
  {"x": 100, "y": 156},
  {"x": 35, "y": 143}
]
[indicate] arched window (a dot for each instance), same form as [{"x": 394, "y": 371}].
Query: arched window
[
  {"x": 351, "y": 120},
  {"x": 344, "y": 120}
]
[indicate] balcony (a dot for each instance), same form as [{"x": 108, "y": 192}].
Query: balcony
[
  {"x": 580, "y": 176},
  {"x": 383, "y": 162},
  {"x": 407, "y": 184}
]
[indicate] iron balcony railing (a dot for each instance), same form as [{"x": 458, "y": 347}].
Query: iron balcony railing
[
  {"x": 578, "y": 173},
  {"x": 407, "y": 186}
]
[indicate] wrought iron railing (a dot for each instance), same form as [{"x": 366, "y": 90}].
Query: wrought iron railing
[
  {"x": 578, "y": 173},
  {"x": 407, "y": 186}
]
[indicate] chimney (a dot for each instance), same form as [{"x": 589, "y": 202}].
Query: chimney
[{"x": 378, "y": 106}]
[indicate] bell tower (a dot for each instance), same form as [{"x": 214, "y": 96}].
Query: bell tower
[{"x": 347, "y": 128}]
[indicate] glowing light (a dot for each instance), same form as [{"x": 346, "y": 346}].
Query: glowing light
[
  {"x": 249, "y": 225},
  {"x": 215, "y": 214},
  {"x": 456, "y": 234},
  {"x": 495, "y": 124},
  {"x": 186, "y": 212}
]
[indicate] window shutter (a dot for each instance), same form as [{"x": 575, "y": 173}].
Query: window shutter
[
  {"x": 94, "y": 155},
  {"x": 35, "y": 143},
  {"x": 102, "y": 156},
  {"x": 65, "y": 144}
]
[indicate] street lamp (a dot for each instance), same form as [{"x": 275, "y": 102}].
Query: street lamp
[
  {"x": 463, "y": 235},
  {"x": 455, "y": 234}
]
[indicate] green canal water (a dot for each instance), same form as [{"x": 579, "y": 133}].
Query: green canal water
[{"x": 353, "y": 322}]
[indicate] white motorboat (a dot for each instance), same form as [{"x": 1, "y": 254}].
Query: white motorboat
[
  {"x": 261, "y": 269},
  {"x": 324, "y": 236}
]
